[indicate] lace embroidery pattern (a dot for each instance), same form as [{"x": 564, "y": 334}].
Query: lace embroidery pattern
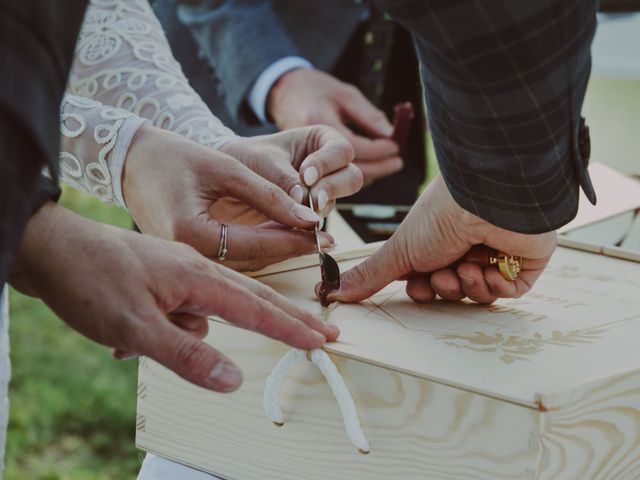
[{"x": 124, "y": 67}]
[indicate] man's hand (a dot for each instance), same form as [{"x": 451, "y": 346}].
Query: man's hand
[
  {"x": 307, "y": 97},
  {"x": 316, "y": 158},
  {"x": 436, "y": 233},
  {"x": 146, "y": 296},
  {"x": 170, "y": 184}
]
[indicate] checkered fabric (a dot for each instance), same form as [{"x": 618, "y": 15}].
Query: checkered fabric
[{"x": 504, "y": 84}]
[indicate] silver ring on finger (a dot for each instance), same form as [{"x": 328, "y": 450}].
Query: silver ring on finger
[{"x": 222, "y": 249}]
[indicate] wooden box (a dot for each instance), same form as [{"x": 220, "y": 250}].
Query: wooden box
[{"x": 542, "y": 387}]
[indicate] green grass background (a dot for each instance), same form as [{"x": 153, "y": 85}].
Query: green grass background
[{"x": 72, "y": 407}]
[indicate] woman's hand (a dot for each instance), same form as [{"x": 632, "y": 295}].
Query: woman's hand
[
  {"x": 145, "y": 296},
  {"x": 316, "y": 158},
  {"x": 170, "y": 184}
]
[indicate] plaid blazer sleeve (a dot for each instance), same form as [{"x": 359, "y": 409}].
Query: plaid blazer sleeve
[{"x": 504, "y": 83}]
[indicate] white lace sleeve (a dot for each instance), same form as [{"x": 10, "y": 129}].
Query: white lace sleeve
[{"x": 124, "y": 64}]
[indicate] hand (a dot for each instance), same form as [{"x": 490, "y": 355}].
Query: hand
[
  {"x": 170, "y": 183},
  {"x": 435, "y": 234},
  {"x": 146, "y": 296},
  {"x": 315, "y": 157},
  {"x": 307, "y": 97}
]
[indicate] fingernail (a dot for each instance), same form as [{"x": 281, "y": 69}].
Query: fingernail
[
  {"x": 323, "y": 198},
  {"x": 227, "y": 373},
  {"x": 306, "y": 214},
  {"x": 310, "y": 176},
  {"x": 321, "y": 223},
  {"x": 297, "y": 193},
  {"x": 385, "y": 128},
  {"x": 129, "y": 356},
  {"x": 333, "y": 328}
]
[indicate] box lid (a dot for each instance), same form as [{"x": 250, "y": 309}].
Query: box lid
[{"x": 581, "y": 323}]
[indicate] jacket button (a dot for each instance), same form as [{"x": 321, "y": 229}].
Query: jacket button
[{"x": 584, "y": 141}]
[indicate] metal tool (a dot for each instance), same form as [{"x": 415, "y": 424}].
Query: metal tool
[{"x": 329, "y": 270}]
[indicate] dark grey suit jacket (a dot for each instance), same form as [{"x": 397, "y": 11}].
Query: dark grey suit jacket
[
  {"x": 236, "y": 40},
  {"x": 37, "y": 39},
  {"x": 504, "y": 83}
]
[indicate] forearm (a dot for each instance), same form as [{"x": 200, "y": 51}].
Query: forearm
[
  {"x": 113, "y": 88},
  {"x": 50, "y": 242}
]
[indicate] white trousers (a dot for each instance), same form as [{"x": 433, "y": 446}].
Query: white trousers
[
  {"x": 158, "y": 468},
  {"x": 5, "y": 373}
]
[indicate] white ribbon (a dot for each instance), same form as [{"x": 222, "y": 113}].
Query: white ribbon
[{"x": 320, "y": 359}]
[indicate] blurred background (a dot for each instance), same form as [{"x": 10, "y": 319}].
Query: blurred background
[{"x": 72, "y": 414}]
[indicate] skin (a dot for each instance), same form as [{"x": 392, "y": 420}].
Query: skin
[
  {"x": 307, "y": 97},
  {"x": 179, "y": 190},
  {"x": 147, "y": 296},
  {"x": 435, "y": 234}
]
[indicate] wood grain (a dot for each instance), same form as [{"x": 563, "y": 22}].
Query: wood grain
[
  {"x": 592, "y": 431},
  {"x": 417, "y": 429}
]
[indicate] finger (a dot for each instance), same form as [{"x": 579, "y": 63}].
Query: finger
[
  {"x": 503, "y": 288},
  {"x": 370, "y": 276},
  {"x": 447, "y": 284},
  {"x": 363, "y": 113},
  {"x": 333, "y": 152},
  {"x": 197, "y": 326},
  {"x": 253, "y": 247},
  {"x": 474, "y": 284},
  {"x": 119, "y": 354},
  {"x": 372, "y": 171},
  {"x": 268, "y": 198},
  {"x": 243, "y": 308},
  {"x": 337, "y": 185},
  {"x": 330, "y": 331},
  {"x": 372, "y": 150},
  {"x": 191, "y": 358},
  {"x": 419, "y": 289}
]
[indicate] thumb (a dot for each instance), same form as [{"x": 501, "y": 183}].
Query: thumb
[
  {"x": 192, "y": 359},
  {"x": 372, "y": 275}
]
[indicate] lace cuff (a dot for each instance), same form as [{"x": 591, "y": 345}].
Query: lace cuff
[
  {"x": 95, "y": 166},
  {"x": 124, "y": 72}
]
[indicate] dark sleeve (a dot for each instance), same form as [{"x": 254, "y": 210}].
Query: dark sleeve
[
  {"x": 504, "y": 83},
  {"x": 37, "y": 39},
  {"x": 239, "y": 39}
]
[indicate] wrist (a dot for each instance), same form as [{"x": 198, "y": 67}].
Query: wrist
[
  {"x": 39, "y": 247},
  {"x": 279, "y": 90},
  {"x": 135, "y": 159}
]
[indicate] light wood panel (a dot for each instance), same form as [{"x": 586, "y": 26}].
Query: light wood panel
[
  {"x": 592, "y": 431},
  {"x": 545, "y": 387},
  {"x": 417, "y": 429},
  {"x": 583, "y": 315}
]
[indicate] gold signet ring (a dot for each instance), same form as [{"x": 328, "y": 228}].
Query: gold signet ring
[{"x": 509, "y": 265}]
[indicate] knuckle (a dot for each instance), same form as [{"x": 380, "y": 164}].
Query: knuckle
[
  {"x": 356, "y": 178},
  {"x": 271, "y": 193},
  {"x": 345, "y": 150},
  {"x": 192, "y": 356},
  {"x": 312, "y": 118}
]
